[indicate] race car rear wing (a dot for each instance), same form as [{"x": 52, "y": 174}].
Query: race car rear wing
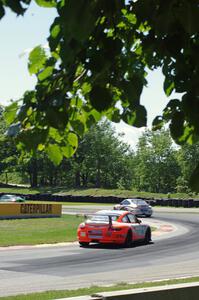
[{"x": 97, "y": 219}]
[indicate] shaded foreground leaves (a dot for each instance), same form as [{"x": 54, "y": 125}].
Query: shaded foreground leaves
[{"x": 96, "y": 66}]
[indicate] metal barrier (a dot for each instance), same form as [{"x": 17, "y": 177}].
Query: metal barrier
[{"x": 187, "y": 291}]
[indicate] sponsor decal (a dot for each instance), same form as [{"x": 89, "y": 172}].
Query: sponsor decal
[
  {"x": 36, "y": 208},
  {"x": 29, "y": 210}
]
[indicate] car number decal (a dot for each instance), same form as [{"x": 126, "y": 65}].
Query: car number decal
[{"x": 139, "y": 229}]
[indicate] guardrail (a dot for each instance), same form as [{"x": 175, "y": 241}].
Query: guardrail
[
  {"x": 185, "y": 291},
  {"x": 110, "y": 199}
]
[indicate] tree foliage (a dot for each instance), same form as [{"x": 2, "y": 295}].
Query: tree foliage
[
  {"x": 99, "y": 53},
  {"x": 187, "y": 160},
  {"x": 102, "y": 159},
  {"x": 8, "y": 152},
  {"x": 156, "y": 166},
  {"x": 17, "y": 6}
]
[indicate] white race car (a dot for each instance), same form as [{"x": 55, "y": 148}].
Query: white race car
[{"x": 138, "y": 206}]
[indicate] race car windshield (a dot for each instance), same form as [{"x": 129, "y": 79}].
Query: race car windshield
[
  {"x": 140, "y": 202},
  {"x": 103, "y": 218}
]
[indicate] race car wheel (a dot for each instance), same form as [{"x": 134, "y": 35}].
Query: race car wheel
[
  {"x": 128, "y": 240},
  {"x": 84, "y": 244},
  {"x": 147, "y": 238}
]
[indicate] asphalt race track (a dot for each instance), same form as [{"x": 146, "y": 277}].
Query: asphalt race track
[{"x": 67, "y": 267}]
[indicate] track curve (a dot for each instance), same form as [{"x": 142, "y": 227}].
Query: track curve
[{"x": 68, "y": 267}]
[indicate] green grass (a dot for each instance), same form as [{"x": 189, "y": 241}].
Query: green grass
[
  {"x": 96, "y": 289},
  {"x": 39, "y": 231},
  {"x": 93, "y": 192}
]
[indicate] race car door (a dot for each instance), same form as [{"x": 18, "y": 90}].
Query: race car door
[{"x": 137, "y": 228}]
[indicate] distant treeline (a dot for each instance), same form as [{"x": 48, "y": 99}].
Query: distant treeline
[{"x": 103, "y": 160}]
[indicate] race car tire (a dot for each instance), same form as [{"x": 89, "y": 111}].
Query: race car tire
[
  {"x": 148, "y": 216},
  {"x": 147, "y": 238},
  {"x": 84, "y": 244},
  {"x": 128, "y": 240}
]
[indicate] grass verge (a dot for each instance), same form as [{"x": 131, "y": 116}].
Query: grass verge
[
  {"x": 96, "y": 289},
  {"x": 39, "y": 231}
]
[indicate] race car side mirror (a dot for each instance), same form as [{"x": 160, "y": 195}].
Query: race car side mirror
[{"x": 138, "y": 221}]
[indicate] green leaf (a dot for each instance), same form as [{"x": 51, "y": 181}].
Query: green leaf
[
  {"x": 115, "y": 116},
  {"x": 55, "y": 30},
  {"x": 131, "y": 18},
  {"x": 2, "y": 11},
  {"x": 90, "y": 121},
  {"x": 41, "y": 147},
  {"x": 55, "y": 34},
  {"x": 100, "y": 98},
  {"x": 173, "y": 106},
  {"x": 96, "y": 115},
  {"x": 86, "y": 88},
  {"x": 54, "y": 153},
  {"x": 56, "y": 117},
  {"x": 54, "y": 134},
  {"x": 72, "y": 139},
  {"x": 78, "y": 21},
  {"x": 188, "y": 136},
  {"x": 37, "y": 59},
  {"x": 141, "y": 116},
  {"x": 46, "y": 3},
  {"x": 78, "y": 127},
  {"x": 10, "y": 113},
  {"x": 47, "y": 72},
  {"x": 191, "y": 109},
  {"x": 129, "y": 117},
  {"x": 168, "y": 86},
  {"x": 15, "y": 6},
  {"x": 136, "y": 117},
  {"x": 177, "y": 126},
  {"x": 76, "y": 102},
  {"x": 188, "y": 17},
  {"x": 158, "y": 123},
  {"x": 68, "y": 151},
  {"x": 133, "y": 89},
  {"x": 32, "y": 137}
]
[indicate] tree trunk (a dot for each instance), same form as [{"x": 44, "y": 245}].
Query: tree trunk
[
  {"x": 85, "y": 180},
  {"x": 33, "y": 173},
  {"x": 98, "y": 175},
  {"x": 77, "y": 179},
  {"x": 6, "y": 177}
]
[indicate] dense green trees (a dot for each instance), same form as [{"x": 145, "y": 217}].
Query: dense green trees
[
  {"x": 156, "y": 166},
  {"x": 103, "y": 160},
  {"x": 8, "y": 153},
  {"x": 187, "y": 160}
]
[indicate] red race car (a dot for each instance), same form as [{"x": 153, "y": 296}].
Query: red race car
[{"x": 113, "y": 227}]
